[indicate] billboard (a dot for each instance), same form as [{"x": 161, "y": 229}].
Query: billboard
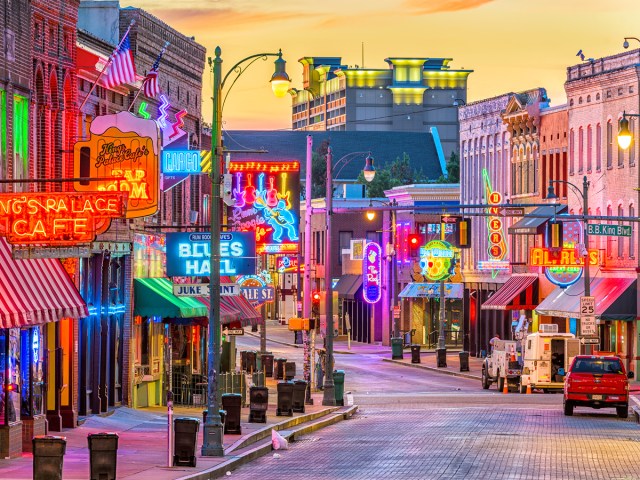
[
  {"x": 266, "y": 199},
  {"x": 189, "y": 254},
  {"x": 122, "y": 151}
]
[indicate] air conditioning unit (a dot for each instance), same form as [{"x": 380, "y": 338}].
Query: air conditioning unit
[{"x": 548, "y": 328}]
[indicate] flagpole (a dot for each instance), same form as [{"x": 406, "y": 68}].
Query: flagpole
[
  {"x": 93, "y": 86},
  {"x": 164, "y": 49}
]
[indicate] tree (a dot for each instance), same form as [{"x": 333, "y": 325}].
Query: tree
[
  {"x": 397, "y": 173},
  {"x": 319, "y": 171},
  {"x": 453, "y": 170}
]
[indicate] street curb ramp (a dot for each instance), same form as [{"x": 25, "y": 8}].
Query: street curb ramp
[{"x": 246, "y": 451}]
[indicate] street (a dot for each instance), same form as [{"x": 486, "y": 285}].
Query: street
[{"x": 418, "y": 424}]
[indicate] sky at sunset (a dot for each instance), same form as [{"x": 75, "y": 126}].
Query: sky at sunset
[{"x": 511, "y": 45}]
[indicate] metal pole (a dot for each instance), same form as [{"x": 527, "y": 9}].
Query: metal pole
[
  {"x": 308, "y": 351},
  {"x": 263, "y": 327},
  {"x": 212, "y": 444},
  {"x": 329, "y": 388},
  {"x": 394, "y": 276},
  {"x": 442, "y": 347},
  {"x": 585, "y": 237}
]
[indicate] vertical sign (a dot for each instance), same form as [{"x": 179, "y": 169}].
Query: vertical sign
[
  {"x": 497, "y": 244},
  {"x": 587, "y": 317},
  {"x": 372, "y": 273}
]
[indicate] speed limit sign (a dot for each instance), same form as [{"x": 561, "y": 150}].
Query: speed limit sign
[{"x": 587, "y": 306}]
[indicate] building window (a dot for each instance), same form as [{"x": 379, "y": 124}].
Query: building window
[
  {"x": 572, "y": 159},
  {"x": 609, "y": 239},
  {"x": 620, "y": 239},
  {"x": 620, "y": 155},
  {"x": 589, "y": 149},
  {"x": 20, "y": 139},
  {"x": 373, "y": 236},
  {"x": 580, "y": 150},
  {"x": 632, "y": 148},
  {"x": 609, "y": 144},
  {"x": 632, "y": 238},
  {"x": 344, "y": 243},
  {"x": 598, "y": 148}
]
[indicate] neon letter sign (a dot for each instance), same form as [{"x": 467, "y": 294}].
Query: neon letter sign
[{"x": 371, "y": 273}]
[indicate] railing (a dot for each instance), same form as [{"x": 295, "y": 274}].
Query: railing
[
  {"x": 190, "y": 390},
  {"x": 452, "y": 338}
]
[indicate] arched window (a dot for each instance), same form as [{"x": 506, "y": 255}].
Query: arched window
[
  {"x": 632, "y": 238},
  {"x": 572, "y": 154},
  {"x": 589, "y": 148},
  {"x": 609, "y": 239},
  {"x": 580, "y": 150},
  {"x": 598, "y": 147},
  {"x": 632, "y": 148},
  {"x": 620, "y": 155},
  {"x": 620, "y": 239},
  {"x": 609, "y": 144}
]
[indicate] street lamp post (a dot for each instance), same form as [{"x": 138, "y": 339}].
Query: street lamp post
[
  {"x": 369, "y": 173},
  {"x": 212, "y": 444}
]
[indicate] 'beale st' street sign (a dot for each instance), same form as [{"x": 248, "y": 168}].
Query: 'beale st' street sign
[{"x": 609, "y": 230}]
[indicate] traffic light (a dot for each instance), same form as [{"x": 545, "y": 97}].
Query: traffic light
[
  {"x": 413, "y": 242},
  {"x": 463, "y": 233},
  {"x": 315, "y": 303},
  {"x": 554, "y": 234}
]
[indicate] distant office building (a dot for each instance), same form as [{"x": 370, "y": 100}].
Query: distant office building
[{"x": 412, "y": 95}]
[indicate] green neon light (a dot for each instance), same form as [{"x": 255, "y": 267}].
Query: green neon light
[{"x": 143, "y": 111}]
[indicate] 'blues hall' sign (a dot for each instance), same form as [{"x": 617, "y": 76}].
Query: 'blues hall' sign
[{"x": 188, "y": 254}]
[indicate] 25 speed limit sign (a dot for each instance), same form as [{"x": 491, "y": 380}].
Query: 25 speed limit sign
[{"x": 587, "y": 306}]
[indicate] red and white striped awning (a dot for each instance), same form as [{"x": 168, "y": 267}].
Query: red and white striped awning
[{"x": 35, "y": 291}]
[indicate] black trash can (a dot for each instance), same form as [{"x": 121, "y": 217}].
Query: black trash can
[
  {"x": 251, "y": 361},
  {"x": 243, "y": 360},
  {"x": 415, "y": 353},
  {"x": 48, "y": 453},
  {"x": 258, "y": 404},
  {"x": 185, "y": 434},
  {"x": 441, "y": 355},
  {"x": 464, "y": 361},
  {"x": 267, "y": 364},
  {"x": 299, "y": 395},
  {"x": 279, "y": 368},
  {"x": 289, "y": 370},
  {"x": 225, "y": 358},
  {"x": 232, "y": 404},
  {"x": 103, "y": 454},
  {"x": 285, "y": 399},
  {"x": 338, "y": 386}
]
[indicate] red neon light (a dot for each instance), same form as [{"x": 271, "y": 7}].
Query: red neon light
[
  {"x": 58, "y": 218},
  {"x": 544, "y": 257},
  {"x": 265, "y": 167}
]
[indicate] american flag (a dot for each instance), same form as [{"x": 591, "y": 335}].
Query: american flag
[
  {"x": 122, "y": 70},
  {"x": 150, "y": 87}
]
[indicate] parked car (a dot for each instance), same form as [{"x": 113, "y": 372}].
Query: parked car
[{"x": 597, "y": 381}]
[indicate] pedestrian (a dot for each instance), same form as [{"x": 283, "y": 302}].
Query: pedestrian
[{"x": 493, "y": 340}]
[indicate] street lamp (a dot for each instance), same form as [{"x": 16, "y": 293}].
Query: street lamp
[
  {"x": 369, "y": 174},
  {"x": 212, "y": 445},
  {"x": 626, "y": 41}
]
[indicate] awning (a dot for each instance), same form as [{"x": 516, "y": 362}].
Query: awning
[
  {"x": 33, "y": 292},
  {"x": 348, "y": 285},
  {"x": 431, "y": 290},
  {"x": 515, "y": 294},
  {"x": 236, "y": 308},
  {"x": 615, "y": 299},
  {"x": 532, "y": 225},
  {"x": 154, "y": 297}
]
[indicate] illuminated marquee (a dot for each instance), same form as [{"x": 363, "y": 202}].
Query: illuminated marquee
[
  {"x": 189, "y": 254},
  {"x": 126, "y": 148},
  {"x": 58, "y": 218},
  {"x": 372, "y": 273},
  {"x": 565, "y": 276},
  {"x": 497, "y": 245},
  {"x": 566, "y": 257},
  {"x": 267, "y": 202},
  {"x": 435, "y": 259}
]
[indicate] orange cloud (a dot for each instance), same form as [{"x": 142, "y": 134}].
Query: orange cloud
[
  {"x": 219, "y": 19},
  {"x": 441, "y": 6}
]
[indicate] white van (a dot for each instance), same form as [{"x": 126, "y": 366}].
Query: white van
[{"x": 547, "y": 356}]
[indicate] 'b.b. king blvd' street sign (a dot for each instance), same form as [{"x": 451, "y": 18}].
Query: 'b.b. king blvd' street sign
[{"x": 609, "y": 230}]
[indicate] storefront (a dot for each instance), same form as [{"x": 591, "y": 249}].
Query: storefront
[
  {"x": 38, "y": 307},
  {"x": 354, "y": 314}
]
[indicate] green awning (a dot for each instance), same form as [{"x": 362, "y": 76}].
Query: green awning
[{"x": 154, "y": 297}]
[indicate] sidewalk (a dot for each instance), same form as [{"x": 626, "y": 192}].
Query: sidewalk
[
  {"x": 142, "y": 445},
  {"x": 428, "y": 361}
]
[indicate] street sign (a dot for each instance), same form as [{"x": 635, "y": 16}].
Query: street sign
[
  {"x": 233, "y": 331},
  {"x": 202, "y": 289},
  {"x": 450, "y": 218},
  {"x": 587, "y": 306},
  {"x": 588, "y": 326},
  {"x": 609, "y": 230},
  {"x": 512, "y": 212},
  {"x": 396, "y": 311},
  {"x": 590, "y": 341}
]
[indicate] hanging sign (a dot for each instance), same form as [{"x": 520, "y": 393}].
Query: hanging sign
[
  {"x": 126, "y": 148},
  {"x": 372, "y": 273},
  {"x": 497, "y": 249},
  {"x": 565, "y": 257},
  {"x": 255, "y": 289},
  {"x": 436, "y": 259},
  {"x": 60, "y": 218}
]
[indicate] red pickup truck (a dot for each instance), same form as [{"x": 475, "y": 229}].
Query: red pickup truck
[{"x": 598, "y": 382}]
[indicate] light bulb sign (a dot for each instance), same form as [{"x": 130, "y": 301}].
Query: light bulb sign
[
  {"x": 497, "y": 249},
  {"x": 436, "y": 259},
  {"x": 565, "y": 257},
  {"x": 266, "y": 201},
  {"x": 372, "y": 273},
  {"x": 122, "y": 152},
  {"x": 564, "y": 276},
  {"x": 189, "y": 254}
]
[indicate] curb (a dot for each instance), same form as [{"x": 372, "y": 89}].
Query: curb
[
  {"x": 434, "y": 369},
  {"x": 243, "y": 458}
]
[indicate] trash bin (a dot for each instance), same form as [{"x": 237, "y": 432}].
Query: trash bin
[
  {"x": 289, "y": 370},
  {"x": 258, "y": 404},
  {"x": 232, "y": 404},
  {"x": 285, "y": 399},
  {"x": 319, "y": 376},
  {"x": 338, "y": 382},
  {"x": 267, "y": 364},
  {"x": 243, "y": 360},
  {"x": 279, "y": 368},
  {"x": 48, "y": 453},
  {"x": 103, "y": 454},
  {"x": 225, "y": 358},
  {"x": 251, "y": 361},
  {"x": 464, "y": 361},
  {"x": 299, "y": 395},
  {"x": 185, "y": 434},
  {"x": 415, "y": 353},
  {"x": 441, "y": 355},
  {"x": 396, "y": 348}
]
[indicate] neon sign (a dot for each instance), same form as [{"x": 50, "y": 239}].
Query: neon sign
[
  {"x": 493, "y": 265},
  {"x": 566, "y": 257},
  {"x": 267, "y": 202},
  {"x": 189, "y": 254},
  {"x": 372, "y": 273},
  {"x": 256, "y": 289},
  {"x": 565, "y": 276},
  {"x": 436, "y": 259},
  {"x": 288, "y": 264},
  {"x": 58, "y": 218},
  {"x": 126, "y": 148},
  {"x": 497, "y": 245},
  {"x": 180, "y": 161}
]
